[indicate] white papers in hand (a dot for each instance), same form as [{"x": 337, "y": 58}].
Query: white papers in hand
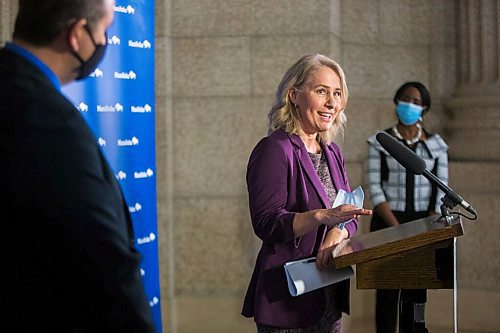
[{"x": 303, "y": 276}]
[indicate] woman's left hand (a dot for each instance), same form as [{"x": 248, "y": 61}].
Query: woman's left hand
[{"x": 332, "y": 238}]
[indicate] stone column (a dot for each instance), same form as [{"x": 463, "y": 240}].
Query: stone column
[
  {"x": 8, "y": 11},
  {"x": 473, "y": 135},
  {"x": 474, "y": 127}
]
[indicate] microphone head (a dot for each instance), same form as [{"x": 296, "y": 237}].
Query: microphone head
[{"x": 401, "y": 153}]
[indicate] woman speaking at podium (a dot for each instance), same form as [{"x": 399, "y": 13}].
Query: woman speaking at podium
[{"x": 293, "y": 177}]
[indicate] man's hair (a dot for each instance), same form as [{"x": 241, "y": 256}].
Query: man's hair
[
  {"x": 284, "y": 115},
  {"x": 40, "y": 21}
]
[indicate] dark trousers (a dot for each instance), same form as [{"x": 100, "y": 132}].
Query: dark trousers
[{"x": 390, "y": 302}]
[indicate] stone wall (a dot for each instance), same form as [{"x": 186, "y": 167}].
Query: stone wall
[{"x": 7, "y": 16}]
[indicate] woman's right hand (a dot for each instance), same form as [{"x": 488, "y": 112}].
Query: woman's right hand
[
  {"x": 339, "y": 214},
  {"x": 307, "y": 221}
]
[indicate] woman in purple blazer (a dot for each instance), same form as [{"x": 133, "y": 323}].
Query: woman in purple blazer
[{"x": 293, "y": 177}]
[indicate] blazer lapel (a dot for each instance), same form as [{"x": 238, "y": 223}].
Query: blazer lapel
[
  {"x": 334, "y": 167},
  {"x": 308, "y": 167}
]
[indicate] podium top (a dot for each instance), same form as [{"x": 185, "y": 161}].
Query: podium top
[{"x": 392, "y": 240}]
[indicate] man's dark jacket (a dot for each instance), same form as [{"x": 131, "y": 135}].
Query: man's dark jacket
[{"x": 66, "y": 243}]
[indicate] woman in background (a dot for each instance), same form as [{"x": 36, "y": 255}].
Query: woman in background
[{"x": 398, "y": 196}]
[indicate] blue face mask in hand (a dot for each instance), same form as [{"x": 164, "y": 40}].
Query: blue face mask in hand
[
  {"x": 355, "y": 198},
  {"x": 408, "y": 113}
]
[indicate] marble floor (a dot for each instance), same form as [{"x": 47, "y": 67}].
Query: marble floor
[{"x": 367, "y": 326}]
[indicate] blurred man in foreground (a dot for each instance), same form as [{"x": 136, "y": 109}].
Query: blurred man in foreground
[{"x": 66, "y": 240}]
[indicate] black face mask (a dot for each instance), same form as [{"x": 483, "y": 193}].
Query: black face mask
[{"x": 87, "y": 67}]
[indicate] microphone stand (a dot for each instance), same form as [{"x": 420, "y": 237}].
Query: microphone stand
[
  {"x": 448, "y": 220},
  {"x": 445, "y": 215}
]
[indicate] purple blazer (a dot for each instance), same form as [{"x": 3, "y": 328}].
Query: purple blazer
[{"x": 281, "y": 182}]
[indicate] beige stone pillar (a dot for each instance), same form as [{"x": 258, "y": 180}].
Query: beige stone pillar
[
  {"x": 473, "y": 135},
  {"x": 474, "y": 128},
  {"x": 8, "y": 10}
]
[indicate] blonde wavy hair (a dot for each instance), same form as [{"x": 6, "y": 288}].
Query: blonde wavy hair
[{"x": 283, "y": 114}]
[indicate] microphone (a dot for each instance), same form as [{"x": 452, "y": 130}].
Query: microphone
[{"x": 412, "y": 162}]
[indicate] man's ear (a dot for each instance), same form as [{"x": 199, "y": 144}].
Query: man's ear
[{"x": 75, "y": 32}]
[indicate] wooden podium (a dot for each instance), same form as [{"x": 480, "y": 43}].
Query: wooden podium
[{"x": 416, "y": 255}]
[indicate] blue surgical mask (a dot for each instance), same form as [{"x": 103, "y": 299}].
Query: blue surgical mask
[
  {"x": 408, "y": 113},
  {"x": 355, "y": 198}
]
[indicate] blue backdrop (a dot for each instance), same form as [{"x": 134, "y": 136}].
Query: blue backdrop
[{"x": 118, "y": 102}]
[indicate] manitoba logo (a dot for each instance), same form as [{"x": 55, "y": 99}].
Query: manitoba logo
[
  {"x": 125, "y": 76},
  {"x": 125, "y": 10},
  {"x": 101, "y": 142},
  {"x": 147, "y": 239},
  {"x": 128, "y": 142},
  {"x": 154, "y": 302},
  {"x": 97, "y": 73},
  {"x": 82, "y": 107},
  {"x": 141, "y": 109},
  {"x": 136, "y": 208},
  {"x": 140, "y": 45},
  {"x": 114, "y": 40},
  {"x": 121, "y": 175},
  {"x": 143, "y": 174},
  {"x": 110, "y": 108}
]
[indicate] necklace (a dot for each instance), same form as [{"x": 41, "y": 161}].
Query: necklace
[{"x": 411, "y": 141}]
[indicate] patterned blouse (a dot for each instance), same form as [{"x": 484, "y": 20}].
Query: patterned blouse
[
  {"x": 319, "y": 162},
  {"x": 389, "y": 181}
]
